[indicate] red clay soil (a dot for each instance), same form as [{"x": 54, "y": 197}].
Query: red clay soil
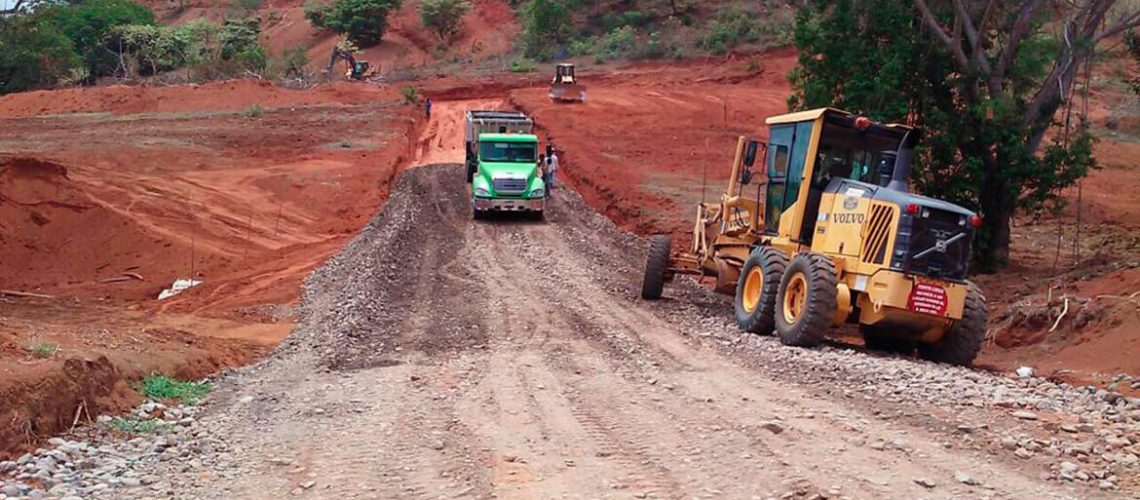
[{"x": 105, "y": 210}]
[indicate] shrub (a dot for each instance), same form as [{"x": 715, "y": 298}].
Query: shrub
[
  {"x": 291, "y": 63},
  {"x": 731, "y": 27},
  {"x": 161, "y": 387},
  {"x": 88, "y": 24},
  {"x": 363, "y": 22},
  {"x": 444, "y": 16},
  {"x": 254, "y": 111},
  {"x": 43, "y": 349},
  {"x": 410, "y": 94},
  {"x": 522, "y": 65},
  {"x": 546, "y": 24},
  {"x": 616, "y": 43},
  {"x": 33, "y": 54}
]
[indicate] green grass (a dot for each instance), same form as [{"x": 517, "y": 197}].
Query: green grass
[
  {"x": 161, "y": 387},
  {"x": 138, "y": 426},
  {"x": 254, "y": 111},
  {"x": 43, "y": 349}
]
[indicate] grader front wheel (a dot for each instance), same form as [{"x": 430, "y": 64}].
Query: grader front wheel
[
  {"x": 962, "y": 343},
  {"x": 756, "y": 290},
  {"x": 807, "y": 300}
]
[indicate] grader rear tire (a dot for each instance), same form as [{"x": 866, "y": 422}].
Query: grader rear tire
[
  {"x": 807, "y": 300},
  {"x": 756, "y": 290},
  {"x": 655, "y": 266},
  {"x": 961, "y": 344}
]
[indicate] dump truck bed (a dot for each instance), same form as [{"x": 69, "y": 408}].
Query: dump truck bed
[{"x": 480, "y": 121}]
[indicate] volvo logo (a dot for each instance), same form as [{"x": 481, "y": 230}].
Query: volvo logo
[
  {"x": 850, "y": 203},
  {"x": 941, "y": 244}
]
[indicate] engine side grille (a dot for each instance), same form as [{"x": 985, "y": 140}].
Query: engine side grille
[
  {"x": 876, "y": 232},
  {"x": 509, "y": 186}
]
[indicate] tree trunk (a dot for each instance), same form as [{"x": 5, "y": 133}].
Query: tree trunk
[{"x": 993, "y": 238}]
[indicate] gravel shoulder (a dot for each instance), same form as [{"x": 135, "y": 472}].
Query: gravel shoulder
[{"x": 438, "y": 356}]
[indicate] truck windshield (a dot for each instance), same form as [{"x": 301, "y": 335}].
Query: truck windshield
[{"x": 517, "y": 152}]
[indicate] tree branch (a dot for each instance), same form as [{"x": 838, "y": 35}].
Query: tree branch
[
  {"x": 1016, "y": 34},
  {"x": 955, "y": 47},
  {"x": 1129, "y": 21},
  {"x": 14, "y": 9}
]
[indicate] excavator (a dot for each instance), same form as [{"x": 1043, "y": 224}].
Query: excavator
[{"x": 357, "y": 70}]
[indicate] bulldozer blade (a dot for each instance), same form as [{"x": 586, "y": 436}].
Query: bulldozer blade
[{"x": 568, "y": 92}]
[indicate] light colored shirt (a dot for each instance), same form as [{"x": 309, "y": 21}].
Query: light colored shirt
[{"x": 552, "y": 163}]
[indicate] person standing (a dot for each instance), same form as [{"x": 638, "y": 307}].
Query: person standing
[
  {"x": 542, "y": 165},
  {"x": 551, "y": 169},
  {"x": 427, "y": 108}
]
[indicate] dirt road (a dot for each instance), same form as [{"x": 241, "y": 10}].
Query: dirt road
[{"x": 443, "y": 357}]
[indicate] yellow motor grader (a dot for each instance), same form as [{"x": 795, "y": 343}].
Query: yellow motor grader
[{"x": 832, "y": 235}]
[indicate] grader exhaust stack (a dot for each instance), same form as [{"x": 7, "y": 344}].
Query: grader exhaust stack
[{"x": 831, "y": 235}]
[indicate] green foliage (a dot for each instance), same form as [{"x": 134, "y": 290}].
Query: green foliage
[
  {"x": 209, "y": 49},
  {"x": 632, "y": 18},
  {"x": 292, "y": 62},
  {"x": 254, "y": 111},
  {"x": 522, "y": 65},
  {"x": 410, "y": 94},
  {"x": 616, "y": 43},
  {"x": 161, "y": 387},
  {"x": 363, "y": 22},
  {"x": 33, "y": 54},
  {"x": 730, "y": 27},
  {"x": 546, "y": 24},
  {"x": 138, "y": 426},
  {"x": 876, "y": 57},
  {"x": 43, "y": 349},
  {"x": 444, "y": 16},
  {"x": 88, "y": 24}
]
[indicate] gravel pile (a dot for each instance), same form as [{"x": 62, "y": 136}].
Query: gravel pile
[{"x": 107, "y": 462}]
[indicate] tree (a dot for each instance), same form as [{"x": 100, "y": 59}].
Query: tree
[
  {"x": 89, "y": 23},
  {"x": 985, "y": 78},
  {"x": 444, "y": 16},
  {"x": 33, "y": 54},
  {"x": 546, "y": 23},
  {"x": 363, "y": 22}
]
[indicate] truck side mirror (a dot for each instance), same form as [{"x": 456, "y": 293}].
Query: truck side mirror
[{"x": 750, "y": 151}]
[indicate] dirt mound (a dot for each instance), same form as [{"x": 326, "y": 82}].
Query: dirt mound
[
  {"x": 216, "y": 96},
  {"x": 52, "y": 231}
]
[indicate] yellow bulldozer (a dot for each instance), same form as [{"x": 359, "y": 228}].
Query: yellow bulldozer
[
  {"x": 830, "y": 234},
  {"x": 564, "y": 87}
]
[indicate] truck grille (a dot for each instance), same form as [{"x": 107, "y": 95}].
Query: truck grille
[
  {"x": 509, "y": 186},
  {"x": 940, "y": 246}
]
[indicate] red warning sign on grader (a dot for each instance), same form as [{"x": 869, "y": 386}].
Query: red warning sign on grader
[{"x": 928, "y": 298}]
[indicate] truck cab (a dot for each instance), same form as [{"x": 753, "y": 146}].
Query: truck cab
[{"x": 507, "y": 177}]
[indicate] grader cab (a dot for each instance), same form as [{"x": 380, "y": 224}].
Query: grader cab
[{"x": 829, "y": 234}]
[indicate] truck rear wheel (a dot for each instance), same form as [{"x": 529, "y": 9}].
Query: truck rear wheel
[
  {"x": 962, "y": 342},
  {"x": 655, "y": 266},
  {"x": 756, "y": 290},
  {"x": 807, "y": 300}
]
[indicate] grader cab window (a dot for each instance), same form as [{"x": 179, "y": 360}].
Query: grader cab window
[{"x": 847, "y": 152}]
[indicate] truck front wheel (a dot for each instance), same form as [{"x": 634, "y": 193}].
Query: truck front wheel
[{"x": 963, "y": 341}]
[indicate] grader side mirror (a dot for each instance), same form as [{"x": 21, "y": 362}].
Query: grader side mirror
[
  {"x": 745, "y": 176},
  {"x": 750, "y": 151}
]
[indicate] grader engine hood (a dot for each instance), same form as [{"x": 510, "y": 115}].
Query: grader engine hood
[{"x": 906, "y": 232}]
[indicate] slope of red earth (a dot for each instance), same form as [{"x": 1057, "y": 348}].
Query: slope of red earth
[
  {"x": 107, "y": 195},
  {"x": 488, "y": 30},
  {"x": 650, "y": 136}
]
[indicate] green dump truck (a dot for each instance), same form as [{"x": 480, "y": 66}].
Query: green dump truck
[{"x": 502, "y": 164}]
